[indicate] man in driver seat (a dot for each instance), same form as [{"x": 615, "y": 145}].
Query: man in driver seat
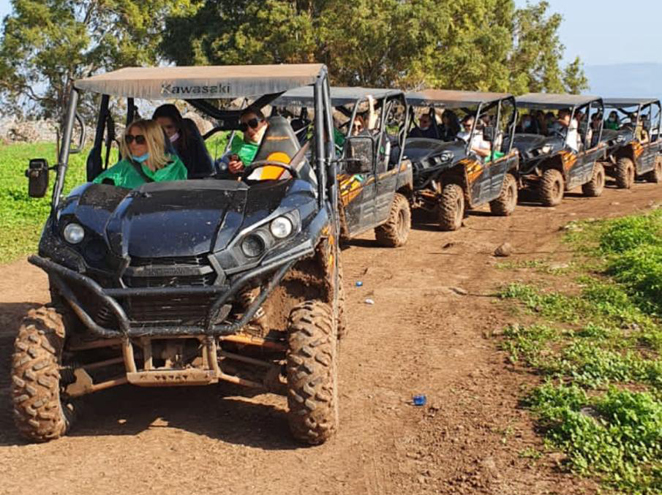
[{"x": 243, "y": 150}]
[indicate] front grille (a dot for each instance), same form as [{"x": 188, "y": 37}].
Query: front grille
[
  {"x": 180, "y": 310},
  {"x": 152, "y": 276}
]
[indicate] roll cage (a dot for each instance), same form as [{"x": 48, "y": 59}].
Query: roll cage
[
  {"x": 472, "y": 103},
  {"x": 636, "y": 107},
  {"x": 201, "y": 87},
  {"x": 574, "y": 103}
]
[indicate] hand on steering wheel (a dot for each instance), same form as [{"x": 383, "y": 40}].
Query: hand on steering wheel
[{"x": 268, "y": 163}]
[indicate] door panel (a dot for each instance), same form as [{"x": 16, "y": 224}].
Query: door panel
[{"x": 357, "y": 193}]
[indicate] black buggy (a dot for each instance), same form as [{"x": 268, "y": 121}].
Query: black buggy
[
  {"x": 375, "y": 182},
  {"x": 634, "y": 147},
  {"x": 163, "y": 285},
  {"x": 548, "y": 165},
  {"x": 449, "y": 177}
]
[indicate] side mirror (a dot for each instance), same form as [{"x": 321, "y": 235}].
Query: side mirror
[
  {"x": 360, "y": 154},
  {"x": 489, "y": 133},
  {"x": 37, "y": 174}
]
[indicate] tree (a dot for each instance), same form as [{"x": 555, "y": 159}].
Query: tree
[
  {"x": 465, "y": 44},
  {"x": 47, "y": 44},
  {"x": 535, "y": 63}
]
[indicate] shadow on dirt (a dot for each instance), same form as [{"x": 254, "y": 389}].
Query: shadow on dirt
[{"x": 222, "y": 412}]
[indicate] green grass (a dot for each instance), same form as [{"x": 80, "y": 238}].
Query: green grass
[
  {"x": 23, "y": 217},
  {"x": 597, "y": 348}
]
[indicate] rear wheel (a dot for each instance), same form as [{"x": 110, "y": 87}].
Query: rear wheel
[
  {"x": 655, "y": 175},
  {"x": 594, "y": 188},
  {"x": 312, "y": 373},
  {"x": 625, "y": 173},
  {"x": 450, "y": 210},
  {"x": 551, "y": 188},
  {"x": 39, "y": 413},
  {"x": 505, "y": 204},
  {"x": 395, "y": 231}
]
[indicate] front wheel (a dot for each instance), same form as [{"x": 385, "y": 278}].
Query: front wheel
[
  {"x": 39, "y": 412},
  {"x": 506, "y": 203},
  {"x": 450, "y": 210},
  {"x": 655, "y": 175},
  {"x": 551, "y": 188},
  {"x": 395, "y": 231},
  {"x": 625, "y": 173},
  {"x": 312, "y": 373},
  {"x": 596, "y": 185}
]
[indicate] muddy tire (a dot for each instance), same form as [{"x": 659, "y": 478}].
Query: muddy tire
[
  {"x": 551, "y": 188},
  {"x": 312, "y": 374},
  {"x": 506, "y": 203},
  {"x": 655, "y": 175},
  {"x": 39, "y": 413},
  {"x": 395, "y": 231},
  {"x": 450, "y": 211},
  {"x": 625, "y": 173},
  {"x": 596, "y": 185}
]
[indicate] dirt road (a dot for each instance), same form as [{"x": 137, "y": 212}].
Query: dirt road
[{"x": 424, "y": 334}]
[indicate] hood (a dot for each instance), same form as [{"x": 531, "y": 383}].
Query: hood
[
  {"x": 174, "y": 219},
  {"x": 418, "y": 149},
  {"x": 616, "y": 139},
  {"x": 535, "y": 146}
]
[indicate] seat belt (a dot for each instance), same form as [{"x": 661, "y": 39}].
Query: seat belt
[{"x": 138, "y": 168}]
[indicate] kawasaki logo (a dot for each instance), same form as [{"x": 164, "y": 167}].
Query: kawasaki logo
[{"x": 217, "y": 89}]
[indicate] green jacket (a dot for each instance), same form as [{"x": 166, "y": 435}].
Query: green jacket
[
  {"x": 245, "y": 151},
  {"x": 123, "y": 174}
]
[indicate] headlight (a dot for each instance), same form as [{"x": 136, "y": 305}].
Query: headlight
[
  {"x": 446, "y": 156},
  {"x": 546, "y": 149},
  {"x": 281, "y": 227},
  {"x": 253, "y": 246},
  {"x": 73, "y": 233}
]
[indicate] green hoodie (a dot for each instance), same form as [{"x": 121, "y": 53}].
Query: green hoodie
[{"x": 123, "y": 173}]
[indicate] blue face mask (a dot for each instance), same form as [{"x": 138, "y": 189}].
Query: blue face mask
[{"x": 141, "y": 158}]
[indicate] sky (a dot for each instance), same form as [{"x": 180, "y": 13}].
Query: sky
[
  {"x": 605, "y": 32},
  {"x": 599, "y": 31}
]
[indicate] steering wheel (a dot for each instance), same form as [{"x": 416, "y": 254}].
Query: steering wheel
[{"x": 269, "y": 163}]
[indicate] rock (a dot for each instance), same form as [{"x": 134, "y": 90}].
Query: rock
[
  {"x": 369, "y": 302},
  {"x": 460, "y": 291},
  {"x": 503, "y": 251},
  {"x": 614, "y": 203}
]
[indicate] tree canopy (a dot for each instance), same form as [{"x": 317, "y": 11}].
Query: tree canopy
[{"x": 487, "y": 45}]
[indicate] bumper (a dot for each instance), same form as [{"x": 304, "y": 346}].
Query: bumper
[{"x": 62, "y": 278}]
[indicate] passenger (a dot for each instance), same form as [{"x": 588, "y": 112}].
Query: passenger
[
  {"x": 550, "y": 120},
  {"x": 143, "y": 148},
  {"x": 528, "y": 125},
  {"x": 359, "y": 127},
  {"x": 425, "y": 129},
  {"x": 478, "y": 144},
  {"x": 613, "y": 122},
  {"x": 450, "y": 126},
  {"x": 641, "y": 131},
  {"x": 541, "y": 122},
  {"x": 243, "y": 149},
  {"x": 186, "y": 139},
  {"x": 570, "y": 127}
]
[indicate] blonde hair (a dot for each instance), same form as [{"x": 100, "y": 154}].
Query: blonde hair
[{"x": 155, "y": 141}]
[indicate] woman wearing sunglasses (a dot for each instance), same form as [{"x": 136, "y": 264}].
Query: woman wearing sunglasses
[
  {"x": 144, "y": 158},
  {"x": 243, "y": 150}
]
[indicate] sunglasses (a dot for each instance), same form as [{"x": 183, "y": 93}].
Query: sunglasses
[
  {"x": 138, "y": 138},
  {"x": 253, "y": 123}
]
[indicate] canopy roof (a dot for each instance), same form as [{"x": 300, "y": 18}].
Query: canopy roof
[
  {"x": 543, "y": 101},
  {"x": 303, "y": 97},
  {"x": 453, "y": 99},
  {"x": 629, "y": 102},
  {"x": 208, "y": 82}
]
